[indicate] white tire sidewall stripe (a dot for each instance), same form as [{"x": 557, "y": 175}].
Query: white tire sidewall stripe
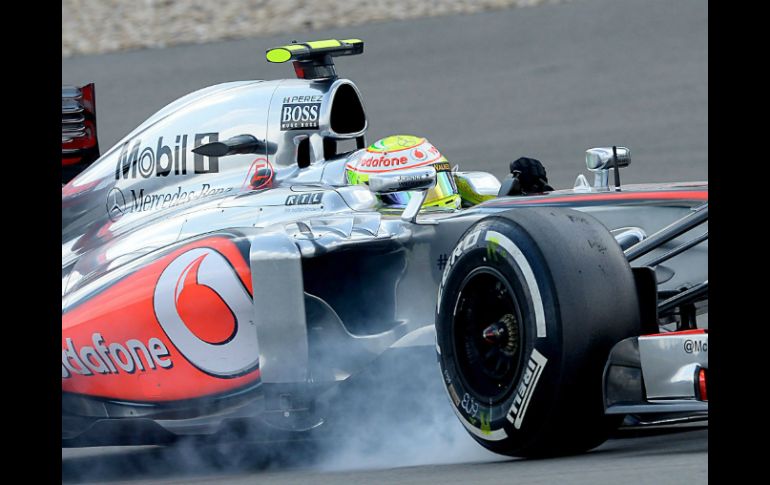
[{"x": 529, "y": 277}]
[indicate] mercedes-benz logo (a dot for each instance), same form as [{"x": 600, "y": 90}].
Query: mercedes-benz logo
[{"x": 115, "y": 203}]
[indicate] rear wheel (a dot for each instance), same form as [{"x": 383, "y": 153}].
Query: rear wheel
[{"x": 530, "y": 304}]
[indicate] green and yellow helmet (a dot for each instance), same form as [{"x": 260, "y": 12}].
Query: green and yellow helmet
[{"x": 399, "y": 152}]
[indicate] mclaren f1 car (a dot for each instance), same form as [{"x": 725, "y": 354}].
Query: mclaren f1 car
[{"x": 220, "y": 266}]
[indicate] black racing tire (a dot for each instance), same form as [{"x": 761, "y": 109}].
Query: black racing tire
[{"x": 554, "y": 292}]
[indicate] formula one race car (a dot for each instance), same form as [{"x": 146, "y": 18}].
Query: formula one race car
[{"x": 225, "y": 262}]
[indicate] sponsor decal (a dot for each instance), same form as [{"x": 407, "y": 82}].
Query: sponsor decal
[
  {"x": 419, "y": 155},
  {"x": 407, "y": 181},
  {"x": 225, "y": 346},
  {"x": 116, "y": 201},
  {"x": 137, "y": 201},
  {"x": 304, "y": 199},
  {"x": 300, "y": 112},
  {"x": 304, "y": 208},
  {"x": 114, "y": 358},
  {"x": 383, "y": 161},
  {"x": 159, "y": 159},
  {"x": 470, "y": 405},
  {"x": 467, "y": 242},
  {"x": 695, "y": 346},
  {"x": 426, "y": 154},
  {"x": 316, "y": 98},
  {"x": 261, "y": 174},
  {"x": 526, "y": 388},
  {"x": 442, "y": 167},
  {"x": 179, "y": 327}
]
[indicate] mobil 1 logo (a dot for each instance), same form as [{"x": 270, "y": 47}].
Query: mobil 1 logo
[{"x": 300, "y": 112}]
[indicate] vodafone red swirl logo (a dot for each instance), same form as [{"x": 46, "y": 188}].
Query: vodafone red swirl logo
[
  {"x": 419, "y": 154},
  {"x": 207, "y": 313}
]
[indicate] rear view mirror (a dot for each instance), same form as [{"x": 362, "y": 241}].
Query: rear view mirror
[
  {"x": 418, "y": 179},
  {"x": 476, "y": 187},
  {"x": 402, "y": 180},
  {"x": 601, "y": 158}
]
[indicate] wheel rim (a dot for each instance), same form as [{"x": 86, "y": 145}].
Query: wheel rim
[{"x": 487, "y": 335}]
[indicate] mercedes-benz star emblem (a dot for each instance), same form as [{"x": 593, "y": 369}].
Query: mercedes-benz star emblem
[{"x": 115, "y": 203}]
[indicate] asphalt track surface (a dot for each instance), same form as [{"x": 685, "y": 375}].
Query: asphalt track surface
[
  {"x": 546, "y": 82},
  {"x": 651, "y": 456}
]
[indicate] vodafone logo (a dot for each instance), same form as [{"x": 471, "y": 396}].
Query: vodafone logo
[
  {"x": 113, "y": 358},
  {"x": 409, "y": 157},
  {"x": 383, "y": 161},
  {"x": 207, "y": 313}
]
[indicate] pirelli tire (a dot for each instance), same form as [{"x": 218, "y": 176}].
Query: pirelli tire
[{"x": 530, "y": 303}]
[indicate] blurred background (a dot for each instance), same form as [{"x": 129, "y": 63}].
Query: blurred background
[
  {"x": 485, "y": 81},
  {"x": 130, "y": 24}
]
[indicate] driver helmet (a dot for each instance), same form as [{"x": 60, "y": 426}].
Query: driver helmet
[{"x": 399, "y": 152}]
